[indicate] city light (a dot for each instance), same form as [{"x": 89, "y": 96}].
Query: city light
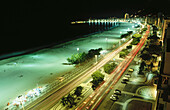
[
  {"x": 123, "y": 39},
  {"x": 77, "y": 49}
]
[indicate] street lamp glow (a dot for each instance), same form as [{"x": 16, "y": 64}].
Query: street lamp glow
[
  {"x": 106, "y": 42},
  {"x": 96, "y": 58},
  {"x": 120, "y": 32},
  {"x": 123, "y": 39},
  {"x": 155, "y": 93},
  {"x": 77, "y": 49}
]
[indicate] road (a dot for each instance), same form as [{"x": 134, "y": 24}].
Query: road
[
  {"x": 49, "y": 101},
  {"x": 99, "y": 94}
]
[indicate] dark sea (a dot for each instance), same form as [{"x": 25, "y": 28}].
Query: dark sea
[
  {"x": 35, "y": 37},
  {"x": 32, "y": 25}
]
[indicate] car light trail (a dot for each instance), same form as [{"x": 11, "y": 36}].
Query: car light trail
[{"x": 104, "y": 89}]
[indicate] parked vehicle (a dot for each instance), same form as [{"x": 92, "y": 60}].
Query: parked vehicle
[
  {"x": 127, "y": 75},
  {"x": 125, "y": 79},
  {"x": 117, "y": 92},
  {"x": 131, "y": 70},
  {"x": 124, "y": 82},
  {"x": 113, "y": 98},
  {"x": 117, "y": 96}
]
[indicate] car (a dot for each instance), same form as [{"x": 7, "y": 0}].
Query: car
[
  {"x": 117, "y": 96},
  {"x": 127, "y": 75},
  {"x": 124, "y": 82},
  {"x": 113, "y": 98},
  {"x": 117, "y": 92},
  {"x": 125, "y": 79},
  {"x": 131, "y": 70}
]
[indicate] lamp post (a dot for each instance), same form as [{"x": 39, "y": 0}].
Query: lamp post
[
  {"x": 123, "y": 39},
  {"x": 96, "y": 58},
  {"x": 22, "y": 106},
  {"x": 106, "y": 42},
  {"x": 119, "y": 42},
  {"x": 77, "y": 49}
]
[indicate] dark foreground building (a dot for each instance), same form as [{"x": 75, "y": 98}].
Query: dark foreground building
[{"x": 163, "y": 93}]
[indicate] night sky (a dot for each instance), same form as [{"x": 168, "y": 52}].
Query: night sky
[{"x": 34, "y": 22}]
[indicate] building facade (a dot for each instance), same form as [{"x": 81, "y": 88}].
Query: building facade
[{"x": 163, "y": 92}]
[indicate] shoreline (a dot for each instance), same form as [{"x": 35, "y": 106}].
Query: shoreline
[{"x": 38, "y": 48}]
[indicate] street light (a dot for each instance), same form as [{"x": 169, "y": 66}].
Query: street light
[
  {"x": 96, "y": 58},
  {"x": 119, "y": 42},
  {"x": 77, "y": 49},
  {"x": 123, "y": 39},
  {"x": 106, "y": 42},
  {"x": 120, "y": 32}
]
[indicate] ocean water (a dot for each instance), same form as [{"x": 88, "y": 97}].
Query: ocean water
[{"x": 28, "y": 41}]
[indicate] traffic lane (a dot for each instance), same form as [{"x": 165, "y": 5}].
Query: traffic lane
[
  {"x": 119, "y": 81},
  {"x": 105, "y": 89},
  {"x": 139, "y": 46},
  {"x": 90, "y": 100}
]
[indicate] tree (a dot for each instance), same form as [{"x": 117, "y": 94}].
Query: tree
[
  {"x": 81, "y": 57},
  {"x": 98, "y": 77},
  {"x": 153, "y": 37},
  {"x": 64, "y": 101},
  {"x": 126, "y": 51},
  {"x": 155, "y": 49},
  {"x": 141, "y": 72},
  {"x": 143, "y": 63},
  {"x": 70, "y": 100},
  {"x": 108, "y": 68},
  {"x": 136, "y": 36},
  {"x": 141, "y": 67},
  {"x": 124, "y": 35},
  {"x": 135, "y": 41},
  {"x": 129, "y": 32},
  {"x": 146, "y": 56},
  {"x": 93, "y": 52},
  {"x": 144, "y": 29},
  {"x": 129, "y": 46},
  {"x": 122, "y": 54},
  {"x": 78, "y": 91}
]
